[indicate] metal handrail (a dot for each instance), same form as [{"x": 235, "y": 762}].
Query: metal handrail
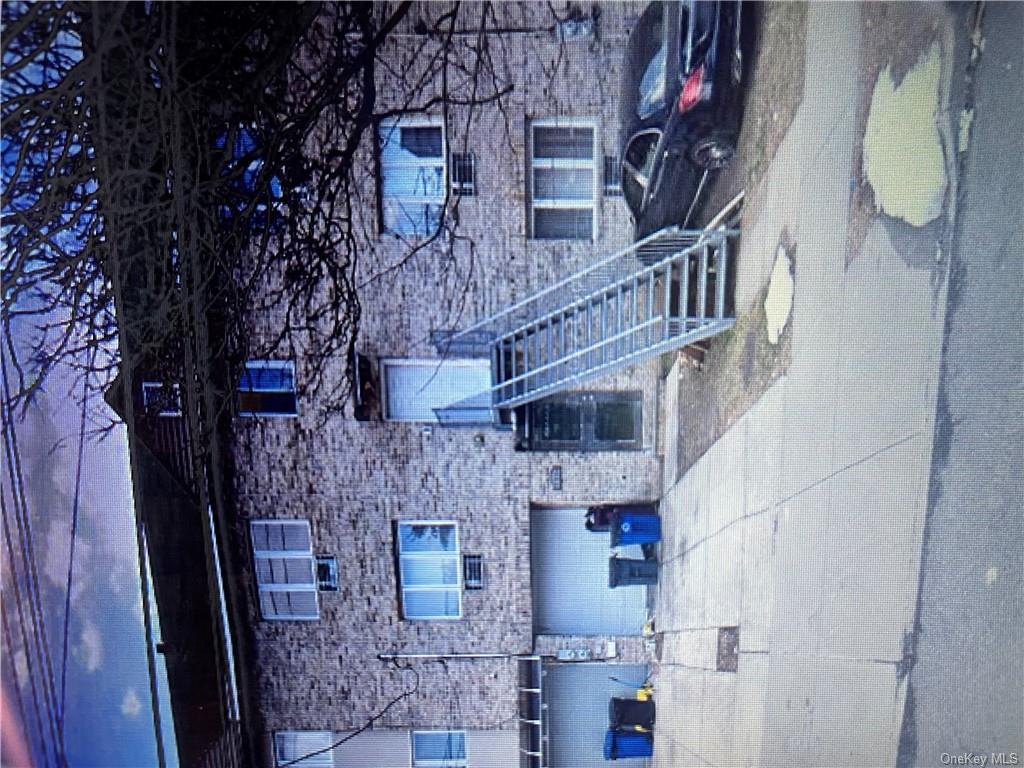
[
  {"x": 690, "y": 239},
  {"x": 641, "y": 274}
]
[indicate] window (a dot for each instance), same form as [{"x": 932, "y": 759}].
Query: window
[
  {"x": 586, "y": 421},
  {"x": 429, "y": 574},
  {"x": 638, "y": 165},
  {"x": 473, "y": 571},
  {"x": 246, "y": 143},
  {"x": 562, "y": 181},
  {"x": 576, "y": 27},
  {"x": 464, "y": 174},
  {"x": 645, "y": 64},
  {"x": 439, "y": 748},
  {"x": 412, "y": 160},
  {"x": 291, "y": 745},
  {"x": 285, "y": 576},
  {"x": 161, "y": 399},
  {"x": 612, "y": 176},
  {"x": 267, "y": 388},
  {"x": 430, "y": 390}
]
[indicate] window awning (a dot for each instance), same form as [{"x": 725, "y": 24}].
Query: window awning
[{"x": 475, "y": 409}]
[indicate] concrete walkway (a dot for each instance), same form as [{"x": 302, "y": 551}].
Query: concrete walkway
[{"x": 803, "y": 524}]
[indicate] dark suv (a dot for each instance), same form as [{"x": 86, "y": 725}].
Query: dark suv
[{"x": 681, "y": 105}]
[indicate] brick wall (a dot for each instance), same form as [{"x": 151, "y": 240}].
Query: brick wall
[{"x": 352, "y": 480}]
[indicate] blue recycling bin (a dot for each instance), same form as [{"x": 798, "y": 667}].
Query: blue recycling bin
[
  {"x": 620, "y": 745},
  {"x": 635, "y": 528}
]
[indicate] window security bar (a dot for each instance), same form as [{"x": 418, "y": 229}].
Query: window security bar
[
  {"x": 464, "y": 174},
  {"x": 473, "y": 571}
]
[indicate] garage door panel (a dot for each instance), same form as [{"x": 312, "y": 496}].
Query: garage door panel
[
  {"x": 569, "y": 567},
  {"x": 577, "y": 696}
]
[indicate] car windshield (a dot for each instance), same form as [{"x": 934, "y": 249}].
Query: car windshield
[
  {"x": 652, "y": 85},
  {"x": 644, "y": 71}
]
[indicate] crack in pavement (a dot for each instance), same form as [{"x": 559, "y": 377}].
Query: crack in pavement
[
  {"x": 684, "y": 748},
  {"x": 810, "y": 487}
]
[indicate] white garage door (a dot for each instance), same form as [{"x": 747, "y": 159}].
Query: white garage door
[
  {"x": 569, "y": 566},
  {"x": 577, "y": 696}
]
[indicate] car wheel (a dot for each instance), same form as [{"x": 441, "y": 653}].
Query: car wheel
[{"x": 712, "y": 152}]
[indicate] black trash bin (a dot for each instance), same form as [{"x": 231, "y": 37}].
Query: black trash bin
[
  {"x": 646, "y": 508},
  {"x": 628, "y": 713},
  {"x": 599, "y": 519},
  {"x": 627, "y": 572}
]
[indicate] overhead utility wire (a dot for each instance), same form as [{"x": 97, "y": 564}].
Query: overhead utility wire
[
  {"x": 31, "y": 573},
  {"x": 366, "y": 725},
  {"x": 26, "y": 646},
  {"x": 9, "y": 644},
  {"x": 71, "y": 558}
]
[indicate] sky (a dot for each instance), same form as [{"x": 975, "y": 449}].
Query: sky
[{"x": 108, "y": 720}]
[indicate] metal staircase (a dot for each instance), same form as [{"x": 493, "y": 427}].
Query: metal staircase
[{"x": 661, "y": 293}]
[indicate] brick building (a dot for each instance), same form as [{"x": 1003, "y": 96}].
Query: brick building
[
  {"x": 453, "y": 560},
  {"x": 420, "y": 562}
]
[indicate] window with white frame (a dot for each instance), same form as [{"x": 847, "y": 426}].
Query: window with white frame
[
  {"x": 413, "y": 175},
  {"x": 285, "y": 569},
  {"x": 161, "y": 399},
  {"x": 563, "y": 180},
  {"x": 439, "y": 748},
  {"x": 267, "y": 388},
  {"x": 453, "y": 391},
  {"x": 310, "y": 746},
  {"x": 430, "y": 573}
]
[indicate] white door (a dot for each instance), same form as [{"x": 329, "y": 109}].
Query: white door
[{"x": 415, "y": 388}]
